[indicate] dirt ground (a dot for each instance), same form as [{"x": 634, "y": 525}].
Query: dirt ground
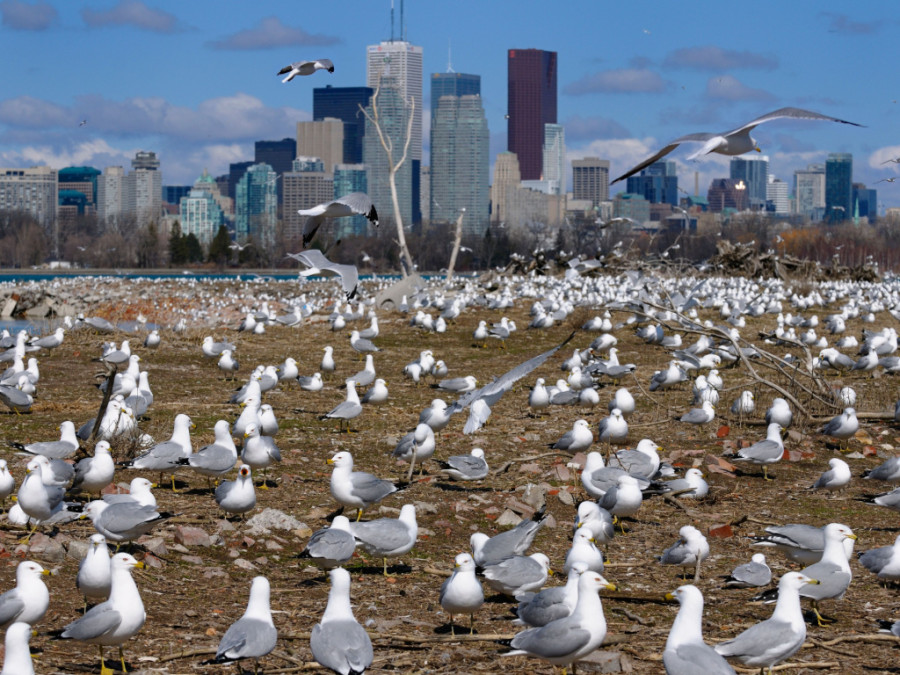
[{"x": 192, "y": 593}]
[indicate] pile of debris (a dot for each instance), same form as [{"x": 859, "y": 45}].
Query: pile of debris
[{"x": 745, "y": 260}]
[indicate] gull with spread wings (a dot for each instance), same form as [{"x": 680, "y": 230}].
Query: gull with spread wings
[
  {"x": 305, "y": 68},
  {"x": 353, "y": 204},
  {"x": 317, "y": 263}
]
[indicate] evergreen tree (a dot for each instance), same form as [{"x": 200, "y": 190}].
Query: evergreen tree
[
  {"x": 177, "y": 248},
  {"x": 219, "y": 247},
  {"x": 193, "y": 249}
]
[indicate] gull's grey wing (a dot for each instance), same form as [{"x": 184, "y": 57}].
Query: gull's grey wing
[
  {"x": 542, "y": 608},
  {"x": 689, "y": 659},
  {"x": 162, "y": 456},
  {"x": 98, "y": 621},
  {"x": 359, "y": 202},
  {"x": 385, "y": 533},
  {"x": 11, "y": 605},
  {"x": 247, "y": 638},
  {"x": 49, "y": 449},
  {"x": 751, "y": 574},
  {"x": 762, "y": 450},
  {"x": 553, "y": 640},
  {"x": 129, "y": 519},
  {"x": 790, "y": 113},
  {"x": 833, "y": 581},
  {"x": 515, "y": 571},
  {"x": 326, "y": 63},
  {"x": 676, "y": 554},
  {"x": 346, "y": 410},
  {"x": 370, "y": 488},
  {"x": 694, "y": 416},
  {"x": 331, "y": 544},
  {"x": 213, "y": 458},
  {"x": 467, "y": 465},
  {"x": 873, "y": 560},
  {"x": 342, "y": 646},
  {"x": 698, "y": 138},
  {"x": 760, "y": 638}
]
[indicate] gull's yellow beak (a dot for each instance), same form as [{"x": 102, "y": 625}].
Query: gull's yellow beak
[
  {"x": 140, "y": 565},
  {"x": 758, "y": 149},
  {"x": 669, "y": 596},
  {"x": 814, "y": 581},
  {"x": 46, "y": 573},
  {"x": 329, "y": 461},
  {"x": 852, "y": 536},
  {"x": 611, "y": 587}
]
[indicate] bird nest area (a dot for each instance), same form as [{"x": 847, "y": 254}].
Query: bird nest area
[{"x": 195, "y": 586}]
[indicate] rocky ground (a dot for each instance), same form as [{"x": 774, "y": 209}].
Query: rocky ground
[{"x": 200, "y": 564}]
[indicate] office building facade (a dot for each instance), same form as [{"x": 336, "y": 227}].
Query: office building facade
[
  {"x": 809, "y": 192},
  {"x": 838, "y": 187},
  {"x": 199, "y": 212},
  {"x": 753, "y": 170},
  {"x": 401, "y": 63},
  {"x": 305, "y": 185},
  {"x": 554, "y": 157},
  {"x": 110, "y": 190},
  {"x": 34, "y": 190},
  {"x": 345, "y": 104},
  {"x": 323, "y": 139},
  {"x": 256, "y": 206},
  {"x": 507, "y": 177},
  {"x": 531, "y": 103},
  {"x": 658, "y": 183},
  {"x": 278, "y": 155},
  {"x": 727, "y": 194},
  {"x": 590, "y": 179}
]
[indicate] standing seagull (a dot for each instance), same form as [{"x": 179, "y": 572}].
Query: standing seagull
[
  {"x": 763, "y": 452},
  {"x": 253, "y": 635},
  {"x": 305, "y": 68},
  {"x": 353, "y": 204},
  {"x": 347, "y": 410},
  {"x": 685, "y": 651},
  {"x": 338, "y": 642},
  {"x": 734, "y": 142},
  {"x": 462, "y": 591}
]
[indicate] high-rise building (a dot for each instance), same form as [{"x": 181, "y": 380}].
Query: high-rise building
[
  {"x": 305, "y": 185},
  {"x": 865, "y": 203},
  {"x": 345, "y": 104},
  {"x": 172, "y": 194},
  {"x": 590, "y": 179},
  {"x": 34, "y": 191},
  {"x": 199, "y": 212},
  {"x": 554, "y": 157},
  {"x": 778, "y": 198},
  {"x": 80, "y": 178},
  {"x": 460, "y": 162},
  {"x": 350, "y": 178},
  {"x": 425, "y": 192},
  {"x": 214, "y": 187},
  {"x": 809, "y": 191},
  {"x": 402, "y": 63},
  {"x": 110, "y": 191},
  {"x": 726, "y": 193},
  {"x": 256, "y": 206},
  {"x": 506, "y": 178},
  {"x": 393, "y": 115},
  {"x": 323, "y": 139},
  {"x": 633, "y": 206},
  {"x": 142, "y": 193},
  {"x": 658, "y": 183},
  {"x": 531, "y": 95},
  {"x": 838, "y": 187},
  {"x": 753, "y": 170},
  {"x": 236, "y": 171},
  {"x": 278, "y": 155}
]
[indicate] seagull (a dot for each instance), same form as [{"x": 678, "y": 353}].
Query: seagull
[
  {"x": 377, "y": 393},
  {"x": 217, "y": 458},
  {"x": 518, "y": 574},
  {"x": 734, "y": 142},
  {"x": 239, "y": 495},
  {"x": 17, "y": 655},
  {"x": 557, "y": 602},
  {"x": 338, "y": 642},
  {"x": 92, "y": 474},
  {"x": 388, "y": 537},
  {"x": 253, "y": 635},
  {"x": 751, "y": 574},
  {"x": 842, "y": 427},
  {"x": 584, "y": 550},
  {"x": 259, "y": 451},
  {"x": 123, "y": 521},
  {"x": 316, "y": 262},
  {"x": 353, "y": 204},
  {"x": 356, "y": 488},
  {"x": 305, "y": 68},
  {"x": 801, "y": 543},
  {"x": 347, "y": 410},
  {"x": 691, "y": 549},
  {"x": 311, "y": 382},
  {"x": 163, "y": 457},
  {"x": 331, "y": 546},
  {"x": 94, "y": 571},
  {"x": 492, "y": 550},
  {"x": 837, "y": 477},
  {"x": 361, "y": 345},
  {"x": 64, "y": 447},
  {"x": 28, "y": 601},
  {"x": 686, "y": 652},
  {"x": 578, "y": 438},
  {"x": 763, "y": 452},
  {"x": 886, "y": 180},
  {"x": 466, "y": 467},
  {"x": 119, "y": 618},
  {"x": 462, "y": 592}
]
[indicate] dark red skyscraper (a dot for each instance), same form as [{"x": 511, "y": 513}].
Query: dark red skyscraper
[{"x": 531, "y": 104}]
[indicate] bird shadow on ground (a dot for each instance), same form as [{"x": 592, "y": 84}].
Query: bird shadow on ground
[
  {"x": 379, "y": 570},
  {"x": 452, "y": 487},
  {"x": 460, "y": 630}
]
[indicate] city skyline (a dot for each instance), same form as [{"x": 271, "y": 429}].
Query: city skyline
[{"x": 198, "y": 87}]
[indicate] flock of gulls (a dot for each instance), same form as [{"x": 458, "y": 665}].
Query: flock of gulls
[
  {"x": 692, "y": 325},
  {"x": 695, "y": 329}
]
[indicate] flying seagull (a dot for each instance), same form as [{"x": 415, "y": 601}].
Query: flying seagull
[
  {"x": 353, "y": 204},
  {"x": 305, "y": 68},
  {"x": 317, "y": 263},
  {"x": 734, "y": 142}
]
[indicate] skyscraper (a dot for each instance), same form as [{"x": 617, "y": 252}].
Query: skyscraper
[
  {"x": 507, "y": 177},
  {"x": 256, "y": 206},
  {"x": 350, "y": 178},
  {"x": 725, "y": 193},
  {"x": 460, "y": 162},
  {"x": 344, "y": 103},
  {"x": 754, "y": 171},
  {"x": 110, "y": 188},
  {"x": 199, "y": 212},
  {"x": 809, "y": 191},
  {"x": 554, "y": 157},
  {"x": 453, "y": 84},
  {"x": 658, "y": 183},
  {"x": 531, "y": 94},
  {"x": 236, "y": 171},
  {"x": 590, "y": 179},
  {"x": 81, "y": 178},
  {"x": 305, "y": 186},
  {"x": 838, "y": 187},
  {"x": 142, "y": 189},
  {"x": 323, "y": 139},
  {"x": 34, "y": 190},
  {"x": 397, "y": 66},
  {"x": 778, "y": 199},
  {"x": 865, "y": 203},
  {"x": 278, "y": 155}
]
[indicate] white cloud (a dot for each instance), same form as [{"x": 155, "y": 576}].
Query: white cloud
[
  {"x": 93, "y": 152},
  {"x": 271, "y": 33},
  {"x": 617, "y": 81},
  {"x": 729, "y": 88},
  {"x": 879, "y": 159},
  {"x": 23, "y": 16},
  {"x": 132, "y": 13}
]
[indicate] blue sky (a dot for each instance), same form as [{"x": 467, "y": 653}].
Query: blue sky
[{"x": 195, "y": 81}]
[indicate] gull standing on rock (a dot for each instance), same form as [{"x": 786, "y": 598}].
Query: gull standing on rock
[{"x": 338, "y": 642}]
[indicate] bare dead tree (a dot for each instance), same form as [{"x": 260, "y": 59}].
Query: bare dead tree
[
  {"x": 457, "y": 241},
  {"x": 394, "y": 167}
]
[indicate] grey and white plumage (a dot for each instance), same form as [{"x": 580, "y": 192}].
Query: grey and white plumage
[
  {"x": 28, "y": 601},
  {"x": 331, "y": 546},
  {"x": 61, "y": 449},
  {"x": 563, "y": 641},
  {"x": 750, "y": 575},
  {"x": 767, "y": 451},
  {"x": 734, "y": 142},
  {"x": 217, "y": 458},
  {"x": 466, "y": 467},
  {"x": 259, "y": 452},
  {"x": 492, "y": 550},
  {"x": 388, "y": 537},
  {"x": 702, "y": 415},
  {"x": 366, "y": 376},
  {"x": 884, "y": 562},
  {"x": 139, "y": 492},
  {"x": 833, "y": 570},
  {"x": 418, "y": 444},
  {"x": 779, "y": 637},
  {"x": 685, "y": 652},
  {"x": 461, "y": 592},
  {"x": 540, "y": 608},
  {"x": 347, "y": 410},
  {"x": 212, "y": 349},
  {"x": 843, "y": 426},
  {"x": 305, "y": 68},
  {"x": 799, "y": 542},
  {"x": 253, "y": 635},
  {"x": 311, "y": 382},
  {"x": 356, "y": 489},
  {"x": 780, "y": 413},
  {"x": 692, "y": 486},
  {"x": 457, "y": 385},
  {"x": 117, "y": 356},
  {"x": 338, "y": 642},
  {"x": 353, "y": 204},
  {"x": 835, "y": 478},
  {"x": 152, "y": 340},
  {"x": 377, "y": 393},
  {"x": 436, "y": 415},
  {"x": 623, "y": 400},
  {"x": 17, "y": 654},
  {"x": 163, "y": 457},
  {"x": 15, "y": 399},
  {"x": 227, "y": 362},
  {"x": 597, "y": 478},
  {"x": 94, "y": 571},
  {"x": 92, "y": 474},
  {"x": 584, "y": 550},
  {"x": 598, "y": 520},
  {"x": 612, "y": 429},
  {"x": 889, "y": 500},
  {"x": 7, "y": 482},
  {"x": 518, "y": 574},
  {"x": 690, "y": 550},
  {"x": 54, "y": 472},
  {"x": 239, "y": 495},
  {"x": 362, "y": 345},
  {"x": 642, "y": 462},
  {"x": 624, "y": 498},
  {"x": 577, "y": 439},
  {"x": 888, "y": 471},
  {"x": 316, "y": 263},
  {"x": 37, "y": 500},
  {"x": 51, "y": 341},
  {"x": 123, "y": 521}
]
